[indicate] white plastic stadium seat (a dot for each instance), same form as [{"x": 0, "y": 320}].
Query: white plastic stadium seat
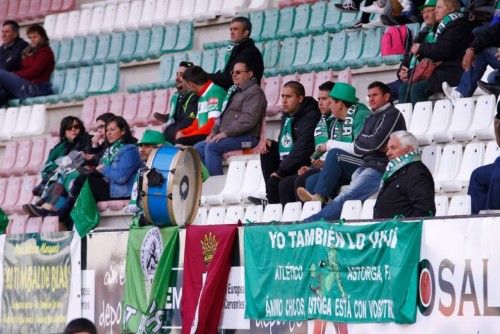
[
  {"x": 160, "y": 13},
  {"x": 96, "y": 20},
  {"x": 440, "y": 121},
  {"x": 22, "y": 121},
  {"x": 234, "y": 214},
  {"x": 49, "y": 24},
  {"x": 250, "y": 186},
  {"x": 431, "y": 157},
  {"x": 232, "y": 7},
  {"x": 216, "y": 215},
  {"x": 212, "y": 186},
  {"x": 232, "y": 185},
  {"x": 472, "y": 158},
  {"x": 420, "y": 118},
  {"x": 38, "y": 119},
  {"x": 72, "y": 25},
  {"x": 442, "y": 203},
  {"x": 272, "y": 212},
  {"x": 84, "y": 22},
  {"x": 460, "y": 121},
  {"x": 187, "y": 9},
  {"x": 258, "y": 5},
  {"x": 134, "y": 15},
  {"x": 122, "y": 16},
  {"x": 9, "y": 123},
  {"x": 482, "y": 121},
  {"x": 459, "y": 205},
  {"x": 201, "y": 216},
  {"x": 492, "y": 152},
  {"x": 449, "y": 166},
  {"x": 109, "y": 18},
  {"x": 291, "y": 212},
  {"x": 174, "y": 10},
  {"x": 61, "y": 23},
  {"x": 148, "y": 12},
  {"x": 309, "y": 209},
  {"x": 351, "y": 210},
  {"x": 367, "y": 211},
  {"x": 201, "y": 10},
  {"x": 253, "y": 213},
  {"x": 406, "y": 109}
]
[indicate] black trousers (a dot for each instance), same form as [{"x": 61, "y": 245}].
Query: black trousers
[
  {"x": 190, "y": 140},
  {"x": 288, "y": 186},
  {"x": 98, "y": 185}
]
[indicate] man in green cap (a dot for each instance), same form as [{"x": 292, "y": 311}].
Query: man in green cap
[{"x": 341, "y": 161}]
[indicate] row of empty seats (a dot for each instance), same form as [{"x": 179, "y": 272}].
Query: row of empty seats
[
  {"x": 106, "y": 17},
  {"x": 256, "y": 213},
  {"x": 444, "y": 123},
  {"x": 19, "y": 224},
  {"x": 16, "y": 191},
  {"x": 123, "y": 46},
  {"x": 23, "y": 121},
  {"x": 22, "y": 10}
]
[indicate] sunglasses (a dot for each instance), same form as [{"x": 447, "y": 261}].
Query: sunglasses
[
  {"x": 238, "y": 72},
  {"x": 73, "y": 127}
]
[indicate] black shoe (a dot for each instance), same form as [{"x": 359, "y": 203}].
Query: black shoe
[
  {"x": 258, "y": 201},
  {"x": 347, "y": 6},
  {"x": 163, "y": 118},
  {"x": 36, "y": 211},
  {"x": 489, "y": 88}
]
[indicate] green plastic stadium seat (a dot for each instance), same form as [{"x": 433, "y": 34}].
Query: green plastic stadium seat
[
  {"x": 80, "y": 93},
  {"x": 318, "y": 15},
  {"x": 77, "y": 49},
  {"x": 301, "y": 22},
  {"x": 221, "y": 59},
  {"x": 371, "y": 49},
  {"x": 287, "y": 16},
  {"x": 209, "y": 59},
  {"x": 96, "y": 80},
  {"x": 57, "y": 81},
  {"x": 166, "y": 69},
  {"x": 257, "y": 20},
  {"x": 178, "y": 57},
  {"x": 89, "y": 53},
  {"x": 260, "y": 46},
  {"x": 157, "y": 34},
  {"x": 115, "y": 47},
  {"x": 54, "y": 45},
  {"x": 271, "y": 20},
  {"x": 170, "y": 38},
  {"x": 332, "y": 18},
  {"x": 111, "y": 80},
  {"x": 195, "y": 57},
  {"x": 103, "y": 45},
  {"x": 271, "y": 54},
  {"x": 142, "y": 46},
  {"x": 286, "y": 57},
  {"x": 129, "y": 46},
  {"x": 319, "y": 53},
  {"x": 70, "y": 82},
  {"x": 347, "y": 20},
  {"x": 303, "y": 54},
  {"x": 185, "y": 36},
  {"x": 337, "y": 52},
  {"x": 354, "y": 49},
  {"x": 64, "y": 53}
]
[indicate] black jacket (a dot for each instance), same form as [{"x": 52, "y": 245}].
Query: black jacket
[
  {"x": 409, "y": 192},
  {"x": 183, "y": 117},
  {"x": 244, "y": 51},
  {"x": 304, "y": 123},
  {"x": 486, "y": 39},
  {"x": 10, "y": 57},
  {"x": 374, "y": 136}
]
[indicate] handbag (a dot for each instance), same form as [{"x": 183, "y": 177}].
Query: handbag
[{"x": 424, "y": 69}]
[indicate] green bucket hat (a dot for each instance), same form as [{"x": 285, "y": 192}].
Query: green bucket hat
[
  {"x": 344, "y": 92},
  {"x": 152, "y": 137},
  {"x": 428, "y": 3}
]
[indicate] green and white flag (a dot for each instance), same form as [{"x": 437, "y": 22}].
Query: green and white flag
[
  {"x": 356, "y": 273},
  {"x": 150, "y": 255},
  {"x": 85, "y": 213}
]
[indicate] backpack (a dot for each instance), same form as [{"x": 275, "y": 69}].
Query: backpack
[{"x": 396, "y": 40}]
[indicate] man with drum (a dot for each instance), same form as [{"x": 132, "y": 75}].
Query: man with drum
[{"x": 239, "y": 124}]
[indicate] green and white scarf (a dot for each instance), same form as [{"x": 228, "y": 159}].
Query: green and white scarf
[
  {"x": 322, "y": 130},
  {"x": 229, "y": 50},
  {"x": 230, "y": 92},
  {"x": 445, "y": 22},
  {"x": 286, "y": 138},
  {"x": 396, "y": 164},
  {"x": 111, "y": 152}
]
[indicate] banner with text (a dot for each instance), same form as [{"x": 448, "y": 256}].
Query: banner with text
[
  {"x": 150, "y": 255},
  {"x": 350, "y": 273},
  {"x": 41, "y": 282}
]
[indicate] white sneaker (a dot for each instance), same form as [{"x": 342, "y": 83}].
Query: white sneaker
[
  {"x": 373, "y": 24},
  {"x": 451, "y": 93},
  {"x": 374, "y": 8}
]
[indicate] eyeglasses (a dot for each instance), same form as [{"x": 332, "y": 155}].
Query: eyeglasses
[
  {"x": 101, "y": 126},
  {"x": 73, "y": 127},
  {"x": 237, "y": 72}
]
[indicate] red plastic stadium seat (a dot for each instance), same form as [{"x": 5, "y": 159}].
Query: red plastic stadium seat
[
  {"x": 44, "y": 8},
  {"x": 272, "y": 91},
  {"x": 51, "y": 142},
  {"x": 9, "y": 158},
  {"x": 13, "y": 189},
  {"x": 345, "y": 76},
  {"x": 320, "y": 78},
  {"x": 130, "y": 107},
  {"x": 88, "y": 111},
  {"x": 276, "y": 108},
  {"x": 17, "y": 224},
  {"x": 116, "y": 104},
  {"x": 33, "y": 10},
  {"x": 160, "y": 104},
  {"x": 144, "y": 109},
  {"x": 34, "y": 225},
  {"x": 3, "y": 189},
  {"x": 13, "y": 7},
  {"x": 50, "y": 224},
  {"x": 68, "y": 5},
  {"x": 307, "y": 80},
  {"x": 36, "y": 158},
  {"x": 25, "y": 193},
  {"x": 4, "y": 8},
  {"x": 22, "y": 10},
  {"x": 138, "y": 131},
  {"x": 56, "y": 6},
  {"x": 22, "y": 157},
  {"x": 285, "y": 3}
]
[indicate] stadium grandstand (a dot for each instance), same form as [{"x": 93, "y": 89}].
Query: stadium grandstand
[{"x": 123, "y": 57}]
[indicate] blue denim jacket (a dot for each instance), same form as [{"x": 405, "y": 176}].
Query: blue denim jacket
[{"x": 122, "y": 170}]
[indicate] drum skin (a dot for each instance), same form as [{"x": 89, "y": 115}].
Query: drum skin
[{"x": 176, "y": 200}]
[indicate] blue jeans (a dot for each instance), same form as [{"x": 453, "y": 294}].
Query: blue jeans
[
  {"x": 12, "y": 85},
  {"x": 336, "y": 172},
  {"x": 484, "y": 187},
  {"x": 365, "y": 182},
  {"x": 468, "y": 82},
  {"x": 211, "y": 153}
]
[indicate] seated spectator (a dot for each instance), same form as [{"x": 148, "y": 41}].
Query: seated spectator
[
  {"x": 341, "y": 160},
  {"x": 322, "y": 133},
  {"x": 80, "y": 326},
  {"x": 407, "y": 185},
  {"x": 241, "y": 49},
  {"x": 445, "y": 48},
  {"x": 33, "y": 77},
  {"x": 72, "y": 137},
  {"x": 239, "y": 124},
  {"x": 183, "y": 106},
  {"x": 483, "y": 51},
  {"x": 210, "y": 101},
  {"x": 98, "y": 139},
  {"x": 425, "y": 34},
  {"x": 484, "y": 185},
  {"x": 12, "y": 47},
  {"x": 371, "y": 144},
  {"x": 113, "y": 178},
  {"x": 296, "y": 140}
]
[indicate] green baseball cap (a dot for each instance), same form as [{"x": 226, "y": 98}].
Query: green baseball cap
[
  {"x": 428, "y": 3},
  {"x": 152, "y": 137},
  {"x": 344, "y": 92}
]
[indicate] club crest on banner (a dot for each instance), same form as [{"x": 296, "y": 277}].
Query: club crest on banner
[
  {"x": 208, "y": 247},
  {"x": 151, "y": 249}
]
